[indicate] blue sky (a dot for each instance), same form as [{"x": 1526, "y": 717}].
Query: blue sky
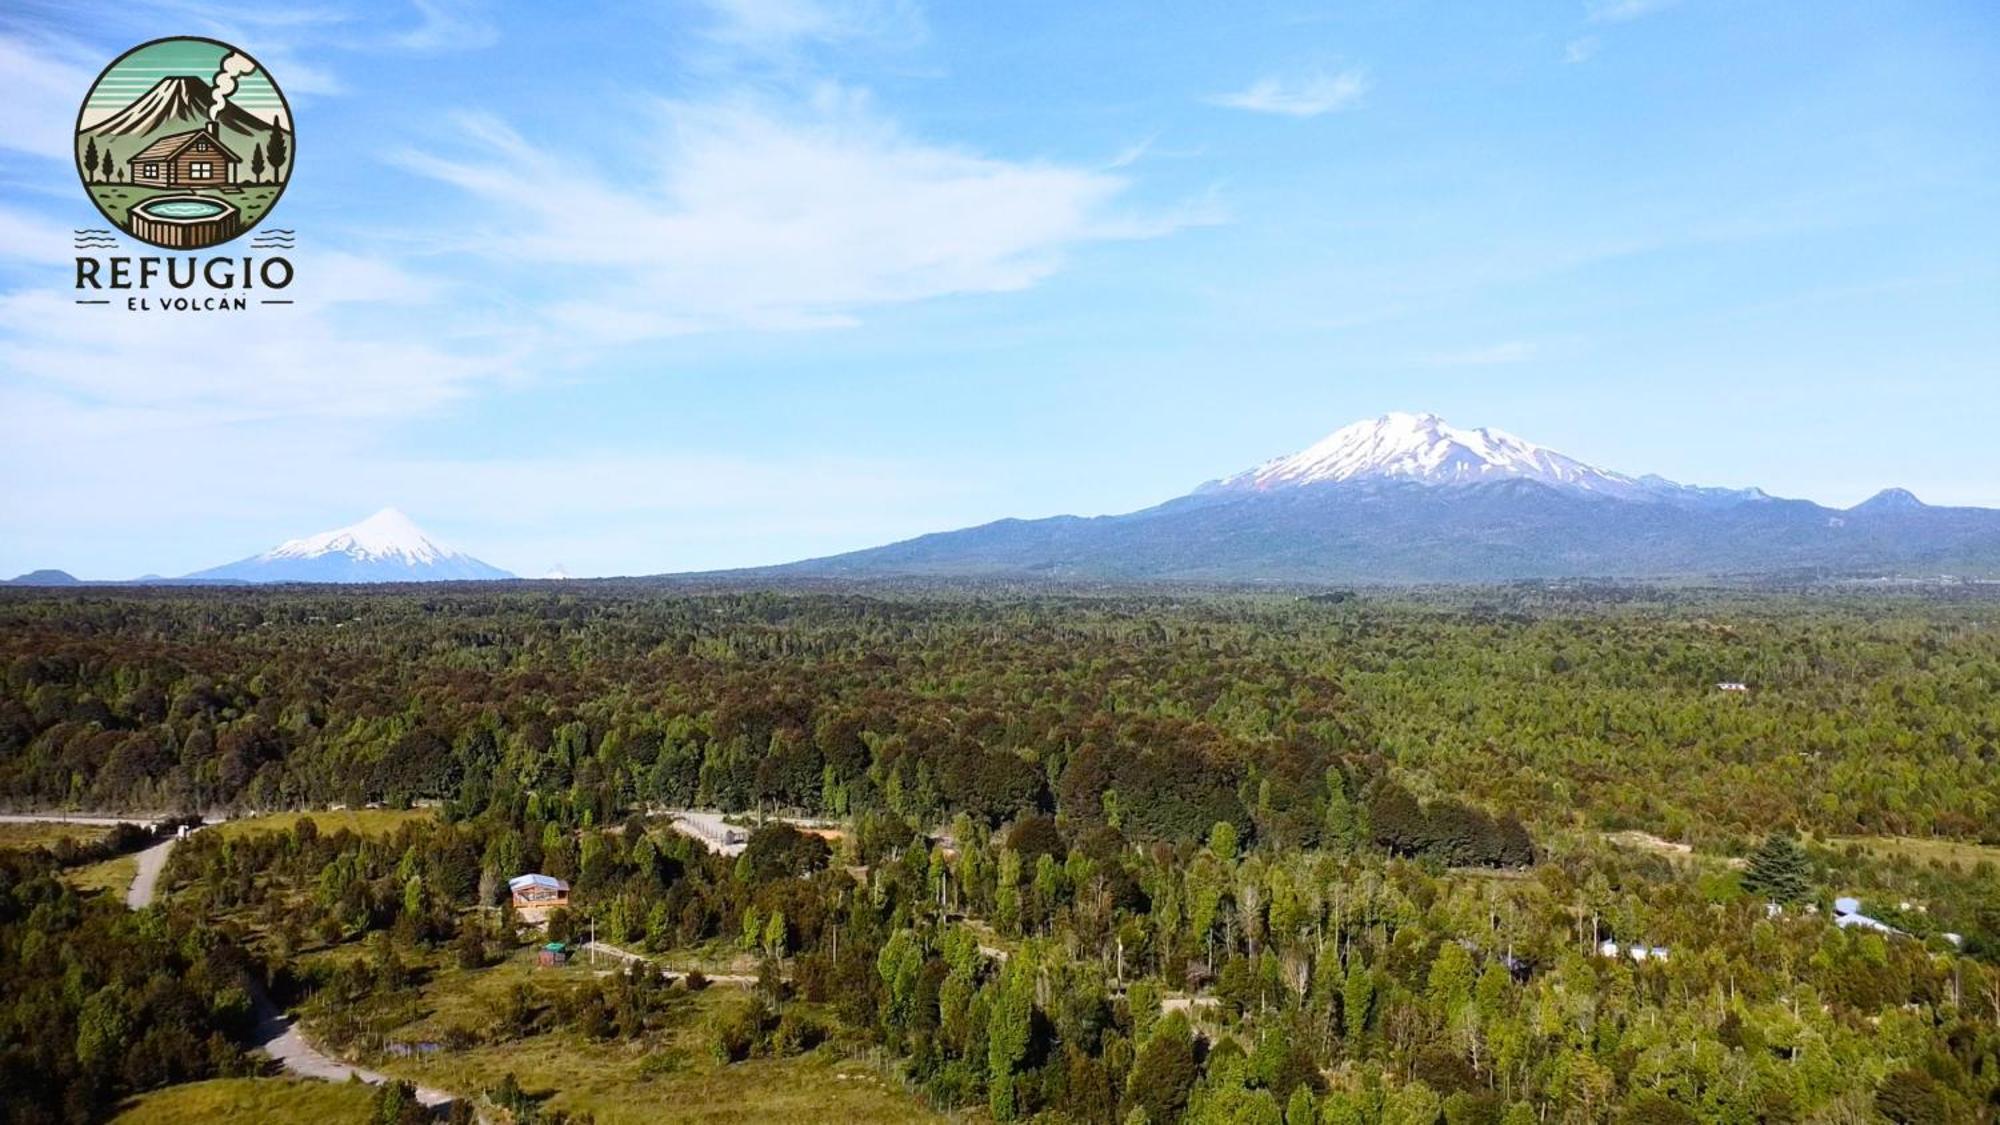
[{"x": 667, "y": 287}]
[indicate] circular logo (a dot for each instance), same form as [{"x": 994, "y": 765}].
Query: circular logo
[{"x": 185, "y": 143}]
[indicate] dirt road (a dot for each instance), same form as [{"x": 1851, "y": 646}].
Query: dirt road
[{"x": 274, "y": 1031}]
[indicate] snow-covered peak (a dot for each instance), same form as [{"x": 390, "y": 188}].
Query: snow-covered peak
[
  {"x": 1428, "y": 449},
  {"x": 386, "y": 535},
  {"x": 557, "y": 573}
]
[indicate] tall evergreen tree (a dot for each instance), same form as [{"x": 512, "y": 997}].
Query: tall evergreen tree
[{"x": 1779, "y": 870}]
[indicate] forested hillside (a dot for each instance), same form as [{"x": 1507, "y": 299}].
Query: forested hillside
[
  {"x": 1494, "y": 857},
  {"x": 1861, "y": 716}
]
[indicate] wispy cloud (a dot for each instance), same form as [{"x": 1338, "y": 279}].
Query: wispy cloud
[
  {"x": 781, "y": 25},
  {"x": 1581, "y": 49},
  {"x": 774, "y": 215},
  {"x": 447, "y": 25},
  {"x": 118, "y": 363},
  {"x": 1622, "y": 11},
  {"x": 1307, "y": 96},
  {"x": 45, "y": 80}
]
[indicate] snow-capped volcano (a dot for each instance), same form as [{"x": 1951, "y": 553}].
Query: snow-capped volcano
[
  {"x": 1429, "y": 450},
  {"x": 1412, "y": 498},
  {"x": 385, "y": 547},
  {"x": 1426, "y": 448}
]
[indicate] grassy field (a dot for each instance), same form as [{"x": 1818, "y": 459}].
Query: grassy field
[
  {"x": 45, "y": 834},
  {"x": 1922, "y": 851},
  {"x": 113, "y": 875},
  {"x": 362, "y": 822},
  {"x": 248, "y": 1100},
  {"x": 670, "y": 1077}
]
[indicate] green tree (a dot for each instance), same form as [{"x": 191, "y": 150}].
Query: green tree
[
  {"x": 1908, "y": 1097},
  {"x": 101, "y": 1029},
  {"x": 1342, "y": 829},
  {"x": 1164, "y": 1073},
  {"x": 1008, "y": 1032},
  {"x": 278, "y": 153},
  {"x": 1007, "y": 893},
  {"x": 90, "y": 158},
  {"x": 1222, "y": 841},
  {"x": 774, "y": 934},
  {"x": 1451, "y": 979},
  {"x": 1357, "y": 992},
  {"x": 1779, "y": 870}
]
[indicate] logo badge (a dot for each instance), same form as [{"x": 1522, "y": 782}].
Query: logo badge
[{"x": 186, "y": 143}]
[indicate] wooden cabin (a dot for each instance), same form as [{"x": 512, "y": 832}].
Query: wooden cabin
[
  {"x": 184, "y": 160},
  {"x": 535, "y": 895}
]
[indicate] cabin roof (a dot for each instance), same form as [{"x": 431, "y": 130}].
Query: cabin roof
[
  {"x": 170, "y": 146},
  {"x": 545, "y": 882}
]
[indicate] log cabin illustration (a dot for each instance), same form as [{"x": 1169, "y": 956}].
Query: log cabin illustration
[{"x": 194, "y": 159}]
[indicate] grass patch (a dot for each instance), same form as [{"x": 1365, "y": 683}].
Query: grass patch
[
  {"x": 250, "y": 1100},
  {"x": 361, "y": 822},
  {"x": 668, "y": 1075},
  {"x": 46, "y": 834},
  {"x": 1922, "y": 851},
  {"x": 112, "y": 875}
]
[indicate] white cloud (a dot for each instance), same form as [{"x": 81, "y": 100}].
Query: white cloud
[
  {"x": 1580, "y": 49},
  {"x": 1623, "y": 11},
  {"x": 749, "y": 214},
  {"x": 1308, "y": 96},
  {"x": 305, "y": 360},
  {"x": 45, "y": 83},
  {"x": 447, "y": 25}
]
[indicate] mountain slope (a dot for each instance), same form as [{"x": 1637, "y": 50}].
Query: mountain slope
[
  {"x": 176, "y": 104},
  {"x": 1412, "y": 498},
  {"x": 385, "y": 547},
  {"x": 45, "y": 577}
]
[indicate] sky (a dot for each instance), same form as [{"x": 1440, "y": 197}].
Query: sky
[{"x": 687, "y": 286}]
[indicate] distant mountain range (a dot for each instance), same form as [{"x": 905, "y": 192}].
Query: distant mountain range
[
  {"x": 1412, "y": 498},
  {"x": 1400, "y": 498}
]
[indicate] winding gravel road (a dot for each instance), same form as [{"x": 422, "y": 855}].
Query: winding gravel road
[
  {"x": 152, "y": 861},
  {"x": 277, "y": 1034}
]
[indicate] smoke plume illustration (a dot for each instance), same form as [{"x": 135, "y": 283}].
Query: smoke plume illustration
[{"x": 234, "y": 65}]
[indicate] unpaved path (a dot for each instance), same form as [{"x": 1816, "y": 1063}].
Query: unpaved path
[
  {"x": 279, "y": 1036},
  {"x": 274, "y": 1031},
  {"x": 152, "y": 861},
  {"x": 605, "y": 949}
]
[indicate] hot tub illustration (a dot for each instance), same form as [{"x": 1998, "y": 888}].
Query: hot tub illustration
[{"x": 184, "y": 222}]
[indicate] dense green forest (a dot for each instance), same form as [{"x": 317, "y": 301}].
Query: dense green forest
[
  {"x": 1168, "y": 712},
  {"x": 1114, "y": 858}
]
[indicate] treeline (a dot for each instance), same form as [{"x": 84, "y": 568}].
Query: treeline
[{"x": 1170, "y": 712}]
